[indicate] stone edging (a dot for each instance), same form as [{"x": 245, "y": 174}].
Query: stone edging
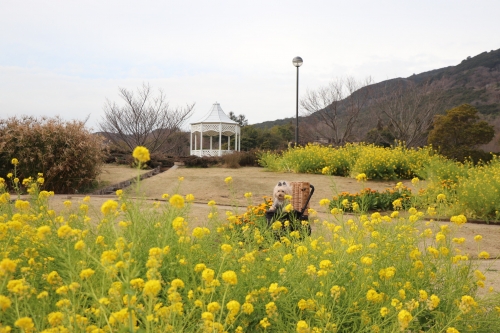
[{"x": 112, "y": 188}]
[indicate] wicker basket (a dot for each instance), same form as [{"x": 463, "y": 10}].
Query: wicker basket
[{"x": 300, "y": 195}]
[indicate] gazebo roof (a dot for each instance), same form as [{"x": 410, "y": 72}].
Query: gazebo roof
[{"x": 217, "y": 116}]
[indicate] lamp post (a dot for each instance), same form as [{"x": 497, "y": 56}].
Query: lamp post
[{"x": 297, "y": 62}]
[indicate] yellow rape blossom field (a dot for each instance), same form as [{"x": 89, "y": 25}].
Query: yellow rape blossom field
[{"x": 129, "y": 265}]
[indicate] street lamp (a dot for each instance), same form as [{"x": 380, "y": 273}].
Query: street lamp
[{"x": 297, "y": 62}]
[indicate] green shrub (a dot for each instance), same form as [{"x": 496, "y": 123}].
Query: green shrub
[
  {"x": 67, "y": 154},
  {"x": 372, "y": 200}
]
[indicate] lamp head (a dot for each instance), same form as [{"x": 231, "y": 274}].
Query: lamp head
[{"x": 297, "y": 61}]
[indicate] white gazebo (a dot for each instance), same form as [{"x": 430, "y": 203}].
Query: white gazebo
[{"x": 215, "y": 123}]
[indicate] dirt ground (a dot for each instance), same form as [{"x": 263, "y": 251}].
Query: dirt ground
[
  {"x": 208, "y": 184},
  {"x": 114, "y": 174}
]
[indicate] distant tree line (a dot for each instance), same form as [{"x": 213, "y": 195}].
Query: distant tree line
[{"x": 399, "y": 111}]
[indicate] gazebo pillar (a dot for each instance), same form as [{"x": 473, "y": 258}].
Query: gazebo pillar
[
  {"x": 236, "y": 141},
  {"x": 201, "y": 139},
  {"x": 220, "y": 139}
]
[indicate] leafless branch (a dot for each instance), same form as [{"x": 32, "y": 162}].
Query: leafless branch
[
  {"x": 406, "y": 109},
  {"x": 335, "y": 108},
  {"x": 144, "y": 120}
]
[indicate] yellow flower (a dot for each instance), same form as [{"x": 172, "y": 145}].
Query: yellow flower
[
  {"x": 55, "y": 318},
  {"x": 415, "y": 181},
  {"x": 108, "y": 257},
  {"x": 177, "y": 201},
  {"x": 479, "y": 275},
  {"x": 366, "y": 260},
  {"x": 452, "y": 330},
  {"x": 483, "y": 255},
  {"x": 361, "y": 177},
  {"x": 228, "y": 180},
  {"x": 301, "y": 250},
  {"x": 43, "y": 294},
  {"x": 230, "y": 277},
  {"x": 397, "y": 204},
  {"x": 199, "y": 267},
  {"x": 26, "y": 324},
  {"x": 325, "y": 264},
  {"x": 22, "y": 205},
  {"x": 478, "y": 238},
  {"x": 152, "y": 288},
  {"x": 324, "y": 202},
  {"x": 164, "y": 196},
  {"x": 459, "y": 219},
  {"x": 141, "y": 154},
  {"x": 177, "y": 283},
  {"x": 302, "y": 327},
  {"x": 387, "y": 273},
  {"x": 189, "y": 198},
  {"x": 288, "y": 208},
  {"x": 64, "y": 231},
  {"x": 441, "y": 197},
  {"x": 384, "y": 311},
  {"x": 213, "y": 307},
  {"x": 226, "y": 248},
  {"x": 109, "y": 207},
  {"x": 247, "y": 308},
  {"x": 440, "y": 237},
  {"x": 14, "y": 161},
  {"x": 119, "y": 193},
  {"x": 79, "y": 245},
  {"x": 265, "y": 323},
  {"x": 62, "y": 290},
  {"x": 86, "y": 273},
  {"x": 137, "y": 283},
  {"x": 458, "y": 240},
  {"x": 5, "y": 302},
  {"x": 208, "y": 275},
  {"x": 404, "y": 318},
  {"x": 466, "y": 303},
  {"x": 233, "y": 307},
  {"x": 248, "y": 195},
  {"x": 433, "y": 302},
  {"x": 181, "y": 179},
  {"x": 63, "y": 303},
  {"x": 422, "y": 295},
  {"x": 211, "y": 203},
  {"x": 7, "y": 266},
  {"x": 373, "y": 296},
  {"x": 200, "y": 232}
]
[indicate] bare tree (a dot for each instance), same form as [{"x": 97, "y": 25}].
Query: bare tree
[
  {"x": 335, "y": 108},
  {"x": 405, "y": 110},
  {"x": 144, "y": 120}
]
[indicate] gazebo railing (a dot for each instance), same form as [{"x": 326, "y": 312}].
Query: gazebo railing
[{"x": 210, "y": 152}]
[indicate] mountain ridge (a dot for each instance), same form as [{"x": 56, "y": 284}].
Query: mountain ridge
[{"x": 475, "y": 81}]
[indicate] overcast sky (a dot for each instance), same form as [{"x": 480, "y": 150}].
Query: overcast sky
[{"x": 67, "y": 57}]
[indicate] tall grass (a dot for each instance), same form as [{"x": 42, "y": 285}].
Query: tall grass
[
  {"x": 469, "y": 189},
  {"x": 143, "y": 266}
]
